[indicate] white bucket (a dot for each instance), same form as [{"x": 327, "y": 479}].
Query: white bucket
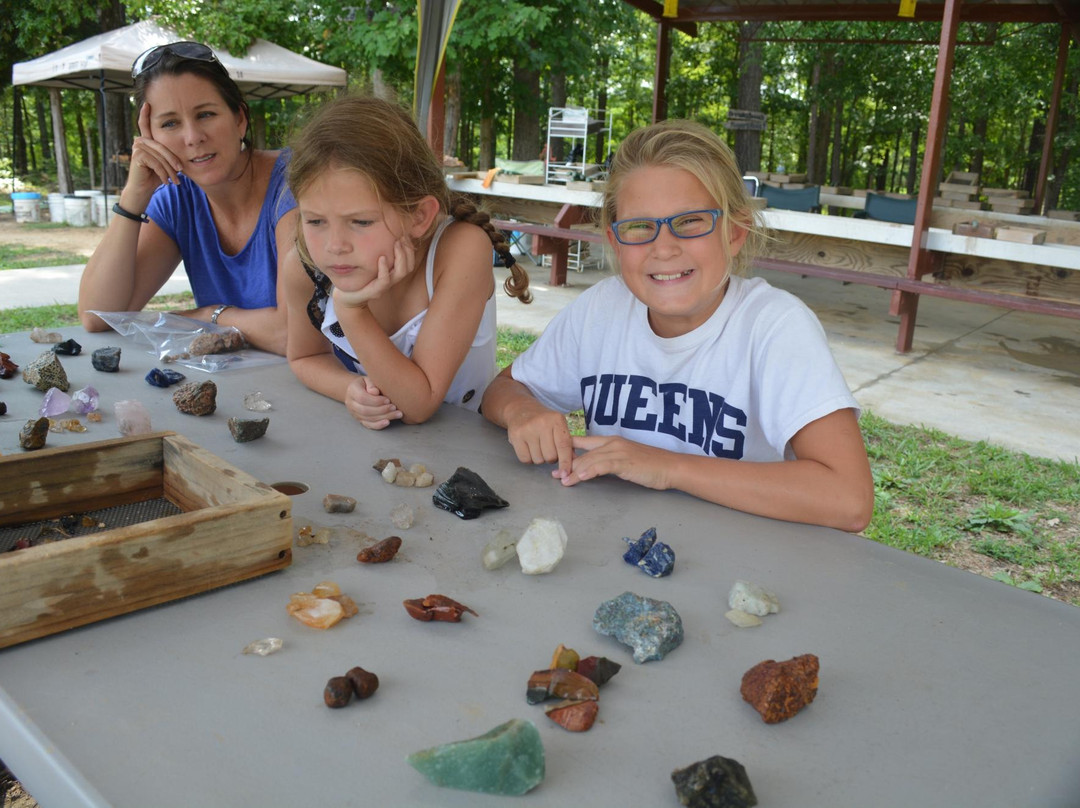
[
  {"x": 56, "y": 208},
  {"x": 102, "y": 204},
  {"x": 77, "y": 210},
  {"x": 27, "y": 206}
]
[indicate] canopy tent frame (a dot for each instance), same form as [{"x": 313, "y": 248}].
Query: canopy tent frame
[{"x": 102, "y": 63}]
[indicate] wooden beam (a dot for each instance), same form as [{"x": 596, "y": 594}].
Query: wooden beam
[
  {"x": 656, "y": 12},
  {"x": 862, "y": 12},
  {"x": 663, "y": 67},
  {"x": 920, "y": 261},
  {"x": 1052, "y": 118}
]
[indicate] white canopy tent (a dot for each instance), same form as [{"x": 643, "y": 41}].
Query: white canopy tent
[{"x": 103, "y": 63}]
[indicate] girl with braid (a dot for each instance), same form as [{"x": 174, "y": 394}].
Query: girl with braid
[{"x": 390, "y": 291}]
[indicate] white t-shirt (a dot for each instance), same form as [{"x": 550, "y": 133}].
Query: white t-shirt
[
  {"x": 476, "y": 371},
  {"x": 739, "y": 386}
]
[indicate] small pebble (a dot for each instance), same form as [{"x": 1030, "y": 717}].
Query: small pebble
[
  {"x": 380, "y": 552},
  {"x": 107, "y": 360},
  {"x": 264, "y": 647},
  {"x": 85, "y": 400},
  {"x": 753, "y": 599},
  {"x": 68, "y": 347},
  {"x": 389, "y": 472},
  {"x": 164, "y": 378},
  {"x": 338, "y": 503},
  {"x": 402, "y": 516},
  {"x": 256, "y": 402},
  {"x": 196, "y": 398},
  {"x": 245, "y": 430},
  {"x": 33, "y": 434},
  {"x": 541, "y": 546},
  {"x": 499, "y": 550},
  {"x": 404, "y": 479},
  {"x": 743, "y": 619},
  {"x": 659, "y": 561},
  {"x": 338, "y": 692},
  {"x": 425, "y": 479},
  {"x": 132, "y": 417},
  {"x": 364, "y": 683},
  {"x": 40, "y": 335}
]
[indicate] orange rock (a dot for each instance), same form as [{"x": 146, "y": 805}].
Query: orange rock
[
  {"x": 562, "y": 684},
  {"x": 778, "y": 690}
]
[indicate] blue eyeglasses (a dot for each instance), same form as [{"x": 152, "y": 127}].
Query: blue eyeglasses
[{"x": 643, "y": 230}]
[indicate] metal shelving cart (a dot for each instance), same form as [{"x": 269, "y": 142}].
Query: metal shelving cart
[{"x": 570, "y": 130}]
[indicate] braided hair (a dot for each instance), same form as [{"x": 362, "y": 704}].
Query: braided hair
[{"x": 517, "y": 285}]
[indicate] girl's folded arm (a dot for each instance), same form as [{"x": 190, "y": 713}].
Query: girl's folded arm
[{"x": 463, "y": 283}]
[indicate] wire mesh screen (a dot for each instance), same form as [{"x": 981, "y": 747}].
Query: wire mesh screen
[{"x": 85, "y": 523}]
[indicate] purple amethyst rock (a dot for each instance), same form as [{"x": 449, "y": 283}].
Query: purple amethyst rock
[
  {"x": 639, "y": 546},
  {"x": 84, "y": 400},
  {"x": 56, "y": 402}
]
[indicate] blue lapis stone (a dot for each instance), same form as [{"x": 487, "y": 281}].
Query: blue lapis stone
[
  {"x": 639, "y": 546},
  {"x": 659, "y": 561},
  {"x": 164, "y": 378}
]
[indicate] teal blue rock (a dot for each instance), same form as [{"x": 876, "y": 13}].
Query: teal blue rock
[
  {"x": 651, "y": 627},
  {"x": 508, "y": 760}
]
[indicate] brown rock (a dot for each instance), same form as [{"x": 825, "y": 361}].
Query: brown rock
[
  {"x": 778, "y": 690},
  {"x": 364, "y": 682},
  {"x": 561, "y": 684},
  {"x": 196, "y": 398},
  {"x": 338, "y": 503},
  {"x": 338, "y": 691},
  {"x": 33, "y": 434},
  {"x": 7, "y": 367},
  {"x": 381, "y": 552}
]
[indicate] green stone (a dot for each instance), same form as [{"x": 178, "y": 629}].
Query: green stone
[{"x": 508, "y": 760}]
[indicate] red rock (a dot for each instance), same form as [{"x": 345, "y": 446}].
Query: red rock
[
  {"x": 778, "y": 690},
  {"x": 573, "y": 715}
]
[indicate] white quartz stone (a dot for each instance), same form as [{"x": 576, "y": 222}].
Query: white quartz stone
[
  {"x": 541, "y": 546},
  {"x": 752, "y": 599},
  {"x": 499, "y": 550},
  {"x": 743, "y": 619}
]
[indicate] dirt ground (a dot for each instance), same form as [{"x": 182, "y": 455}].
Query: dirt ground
[{"x": 79, "y": 240}]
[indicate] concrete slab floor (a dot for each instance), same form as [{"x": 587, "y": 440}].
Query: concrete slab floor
[{"x": 977, "y": 372}]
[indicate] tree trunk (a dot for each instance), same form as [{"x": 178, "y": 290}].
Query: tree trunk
[
  {"x": 913, "y": 163},
  {"x": 835, "y": 176},
  {"x": 28, "y": 133},
  {"x": 452, "y": 114},
  {"x": 526, "y": 115},
  {"x": 558, "y": 99},
  {"x": 748, "y": 141},
  {"x": 1034, "y": 154},
  {"x": 63, "y": 167},
  {"x": 44, "y": 135},
  {"x": 812, "y": 126},
  {"x": 601, "y": 105},
  {"x": 379, "y": 87},
  {"x": 18, "y": 137},
  {"x": 1066, "y": 122},
  {"x": 117, "y": 139},
  {"x": 257, "y": 128},
  {"x": 487, "y": 143}
]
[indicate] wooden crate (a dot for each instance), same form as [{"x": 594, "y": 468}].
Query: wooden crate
[
  {"x": 973, "y": 229},
  {"x": 519, "y": 179},
  {"x": 231, "y": 527}
]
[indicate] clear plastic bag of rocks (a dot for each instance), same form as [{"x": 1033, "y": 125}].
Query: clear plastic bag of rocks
[{"x": 175, "y": 339}]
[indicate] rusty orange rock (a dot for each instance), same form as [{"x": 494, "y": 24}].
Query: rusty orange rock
[
  {"x": 778, "y": 690},
  {"x": 380, "y": 552},
  {"x": 573, "y": 715}
]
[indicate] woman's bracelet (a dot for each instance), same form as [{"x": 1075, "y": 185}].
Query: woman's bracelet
[{"x": 141, "y": 218}]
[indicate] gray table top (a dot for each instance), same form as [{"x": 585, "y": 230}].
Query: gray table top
[{"x": 937, "y": 687}]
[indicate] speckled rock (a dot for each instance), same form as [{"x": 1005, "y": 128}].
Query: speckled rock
[
  {"x": 196, "y": 398},
  {"x": 107, "y": 360},
  {"x": 33, "y": 434},
  {"x": 717, "y": 782},
  {"x": 651, "y": 627},
  {"x": 45, "y": 372},
  {"x": 247, "y": 429}
]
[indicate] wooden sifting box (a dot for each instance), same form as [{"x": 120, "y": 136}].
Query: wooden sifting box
[{"x": 230, "y": 527}]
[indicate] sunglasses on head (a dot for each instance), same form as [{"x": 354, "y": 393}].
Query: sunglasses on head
[{"x": 149, "y": 58}]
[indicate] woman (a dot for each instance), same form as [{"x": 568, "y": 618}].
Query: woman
[{"x": 196, "y": 193}]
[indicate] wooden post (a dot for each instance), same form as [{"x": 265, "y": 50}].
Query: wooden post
[
  {"x": 919, "y": 261},
  {"x": 663, "y": 67},
  {"x": 1052, "y": 119},
  {"x": 436, "y": 121}
]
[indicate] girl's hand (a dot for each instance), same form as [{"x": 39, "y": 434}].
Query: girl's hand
[
  {"x": 152, "y": 164},
  {"x": 388, "y": 275},
  {"x": 626, "y": 459},
  {"x": 540, "y": 435},
  {"x": 368, "y": 406}
]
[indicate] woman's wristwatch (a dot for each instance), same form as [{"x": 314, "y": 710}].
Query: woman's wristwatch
[{"x": 218, "y": 310}]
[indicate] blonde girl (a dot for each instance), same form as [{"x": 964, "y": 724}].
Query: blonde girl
[
  {"x": 390, "y": 290},
  {"x": 691, "y": 377}
]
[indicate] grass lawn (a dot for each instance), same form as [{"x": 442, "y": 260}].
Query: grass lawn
[{"x": 14, "y": 256}]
